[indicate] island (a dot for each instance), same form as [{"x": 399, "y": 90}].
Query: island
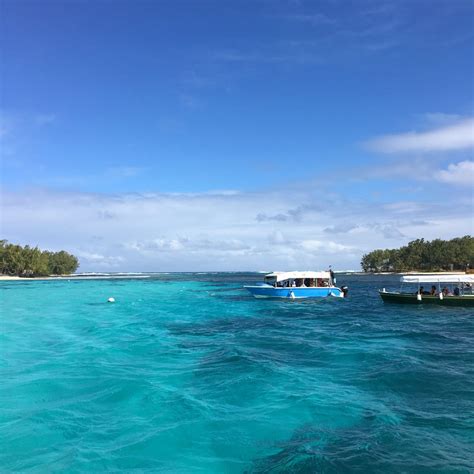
[
  {"x": 423, "y": 256},
  {"x": 29, "y": 262}
]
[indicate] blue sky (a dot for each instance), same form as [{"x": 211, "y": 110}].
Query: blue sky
[{"x": 235, "y": 135}]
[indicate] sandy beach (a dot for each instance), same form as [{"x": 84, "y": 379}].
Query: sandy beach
[
  {"x": 72, "y": 277},
  {"x": 14, "y": 278}
]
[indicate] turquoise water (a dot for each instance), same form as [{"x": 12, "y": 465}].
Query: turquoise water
[{"x": 186, "y": 373}]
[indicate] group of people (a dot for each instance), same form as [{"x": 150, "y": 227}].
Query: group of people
[
  {"x": 433, "y": 292},
  {"x": 304, "y": 283}
]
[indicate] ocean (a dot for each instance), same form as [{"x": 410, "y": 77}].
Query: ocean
[{"x": 188, "y": 373}]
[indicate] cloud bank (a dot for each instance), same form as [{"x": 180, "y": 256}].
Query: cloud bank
[{"x": 220, "y": 231}]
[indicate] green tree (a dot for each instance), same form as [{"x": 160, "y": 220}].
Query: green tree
[
  {"x": 62, "y": 263},
  {"x": 454, "y": 254},
  {"x": 13, "y": 263},
  {"x": 28, "y": 262}
]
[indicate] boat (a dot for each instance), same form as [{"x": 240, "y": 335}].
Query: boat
[
  {"x": 296, "y": 285},
  {"x": 443, "y": 289}
]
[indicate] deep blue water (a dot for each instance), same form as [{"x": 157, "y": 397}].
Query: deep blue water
[{"x": 187, "y": 373}]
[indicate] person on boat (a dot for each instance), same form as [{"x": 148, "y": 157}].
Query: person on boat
[
  {"x": 457, "y": 291},
  {"x": 433, "y": 290},
  {"x": 333, "y": 278},
  {"x": 422, "y": 291},
  {"x": 445, "y": 291}
]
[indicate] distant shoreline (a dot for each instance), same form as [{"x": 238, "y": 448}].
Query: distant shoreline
[{"x": 141, "y": 276}]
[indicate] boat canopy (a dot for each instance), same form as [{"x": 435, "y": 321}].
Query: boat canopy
[
  {"x": 436, "y": 278},
  {"x": 282, "y": 276}
]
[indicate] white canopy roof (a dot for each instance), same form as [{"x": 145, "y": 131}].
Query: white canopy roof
[
  {"x": 436, "y": 278},
  {"x": 281, "y": 276}
]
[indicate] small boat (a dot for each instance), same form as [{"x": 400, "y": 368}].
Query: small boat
[
  {"x": 296, "y": 285},
  {"x": 446, "y": 289}
]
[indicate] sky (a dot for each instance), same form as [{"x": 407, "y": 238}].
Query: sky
[{"x": 235, "y": 135}]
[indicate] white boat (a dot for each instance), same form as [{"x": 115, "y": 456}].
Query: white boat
[{"x": 296, "y": 285}]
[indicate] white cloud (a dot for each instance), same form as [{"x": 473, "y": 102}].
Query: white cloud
[
  {"x": 461, "y": 173},
  {"x": 324, "y": 246},
  {"x": 458, "y": 136},
  {"x": 96, "y": 259},
  {"x": 219, "y": 231}
]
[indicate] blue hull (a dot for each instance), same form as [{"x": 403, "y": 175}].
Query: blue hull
[{"x": 293, "y": 293}]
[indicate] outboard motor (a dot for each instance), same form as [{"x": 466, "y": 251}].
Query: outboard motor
[{"x": 344, "y": 290}]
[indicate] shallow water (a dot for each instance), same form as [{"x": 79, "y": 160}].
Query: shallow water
[{"x": 186, "y": 372}]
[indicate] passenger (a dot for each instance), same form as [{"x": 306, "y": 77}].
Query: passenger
[
  {"x": 445, "y": 291},
  {"x": 433, "y": 290},
  {"x": 319, "y": 282},
  {"x": 421, "y": 291},
  {"x": 457, "y": 291}
]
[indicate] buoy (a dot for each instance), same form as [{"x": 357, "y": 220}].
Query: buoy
[
  {"x": 111, "y": 300},
  {"x": 441, "y": 296},
  {"x": 292, "y": 295},
  {"x": 418, "y": 297}
]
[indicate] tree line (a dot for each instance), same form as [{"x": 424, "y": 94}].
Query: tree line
[
  {"x": 423, "y": 255},
  {"x": 31, "y": 261}
]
